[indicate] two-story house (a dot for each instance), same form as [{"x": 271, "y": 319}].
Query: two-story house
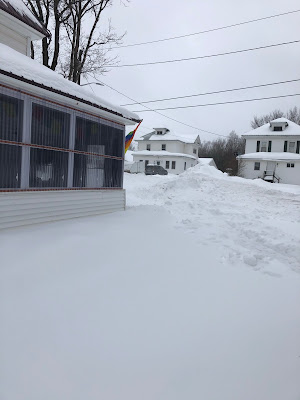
[
  {"x": 272, "y": 152},
  {"x": 162, "y": 147},
  {"x": 61, "y": 146}
]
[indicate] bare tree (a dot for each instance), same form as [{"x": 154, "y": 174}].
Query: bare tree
[
  {"x": 77, "y": 47},
  {"x": 293, "y": 115}
]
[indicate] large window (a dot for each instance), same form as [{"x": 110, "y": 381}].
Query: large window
[
  {"x": 95, "y": 169},
  {"x": 11, "y": 121},
  {"x": 48, "y": 169},
  {"x": 50, "y": 127},
  {"x": 63, "y": 148},
  {"x": 11, "y": 118},
  {"x": 10, "y": 166}
]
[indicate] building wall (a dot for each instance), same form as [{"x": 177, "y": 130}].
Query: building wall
[
  {"x": 13, "y": 39},
  {"x": 156, "y": 145},
  {"x": 179, "y": 166},
  {"x": 286, "y": 175},
  {"x": 26, "y": 208},
  {"x": 277, "y": 143}
]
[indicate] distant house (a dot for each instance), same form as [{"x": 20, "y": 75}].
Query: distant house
[
  {"x": 61, "y": 147},
  {"x": 172, "y": 152},
  {"x": 272, "y": 152}
]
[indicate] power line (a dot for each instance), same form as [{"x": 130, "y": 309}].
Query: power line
[
  {"x": 220, "y": 103},
  {"x": 215, "y": 92},
  {"x": 163, "y": 115},
  {"x": 201, "y": 57},
  {"x": 207, "y": 31}
]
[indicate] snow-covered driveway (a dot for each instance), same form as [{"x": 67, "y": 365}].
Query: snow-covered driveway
[{"x": 192, "y": 293}]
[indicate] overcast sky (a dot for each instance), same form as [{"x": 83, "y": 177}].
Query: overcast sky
[{"x": 150, "y": 20}]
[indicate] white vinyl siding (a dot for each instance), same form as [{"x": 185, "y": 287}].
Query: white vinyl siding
[{"x": 26, "y": 208}]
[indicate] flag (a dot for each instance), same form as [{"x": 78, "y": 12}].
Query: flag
[{"x": 129, "y": 137}]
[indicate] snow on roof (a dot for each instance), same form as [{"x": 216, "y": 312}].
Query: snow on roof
[
  {"x": 161, "y": 154},
  {"x": 21, "y": 67},
  {"x": 206, "y": 161},
  {"x": 17, "y": 9},
  {"x": 270, "y": 156},
  {"x": 169, "y": 136},
  {"x": 291, "y": 130}
]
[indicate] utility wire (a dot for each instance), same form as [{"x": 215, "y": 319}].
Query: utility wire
[
  {"x": 206, "y": 31},
  {"x": 201, "y": 57},
  {"x": 163, "y": 115},
  {"x": 220, "y": 103},
  {"x": 207, "y": 93}
]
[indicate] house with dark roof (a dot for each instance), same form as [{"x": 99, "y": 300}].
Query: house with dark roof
[
  {"x": 272, "y": 152},
  {"x": 61, "y": 147}
]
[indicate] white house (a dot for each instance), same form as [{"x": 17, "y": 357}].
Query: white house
[
  {"x": 272, "y": 152},
  {"x": 61, "y": 147},
  {"x": 161, "y": 147}
]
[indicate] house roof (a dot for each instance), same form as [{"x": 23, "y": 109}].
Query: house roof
[
  {"x": 17, "y": 9},
  {"x": 22, "y": 68},
  {"x": 291, "y": 130},
  {"x": 270, "y": 156},
  {"x": 169, "y": 136},
  {"x": 161, "y": 153}
]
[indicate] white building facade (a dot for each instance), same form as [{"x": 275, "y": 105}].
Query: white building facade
[
  {"x": 161, "y": 147},
  {"x": 272, "y": 153}
]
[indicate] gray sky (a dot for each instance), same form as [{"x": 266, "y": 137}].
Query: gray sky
[{"x": 149, "y": 20}]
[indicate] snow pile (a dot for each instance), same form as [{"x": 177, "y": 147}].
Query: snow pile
[{"x": 192, "y": 293}]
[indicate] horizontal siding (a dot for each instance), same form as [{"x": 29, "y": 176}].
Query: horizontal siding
[
  {"x": 13, "y": 39},
  {"x": 26, "y": 208}
]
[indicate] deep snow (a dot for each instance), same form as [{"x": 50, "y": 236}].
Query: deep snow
[{"x": 192, "y": 293}]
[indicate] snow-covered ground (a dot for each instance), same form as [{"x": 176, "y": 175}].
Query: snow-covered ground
[{"x": 192, "y": 293}]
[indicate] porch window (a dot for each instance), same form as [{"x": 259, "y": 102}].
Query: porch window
[
  {"x": 48, "y": 169},
  {"x": 50, "y": 127},
  {"x": 167, "y": 164},
  {"x": 11, "y": 121},
  {"x": 257, "y": 166},
  {"x": 173, "y": 164}
]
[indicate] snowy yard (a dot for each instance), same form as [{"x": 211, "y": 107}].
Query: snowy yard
[{"x": 192, "y": 293}]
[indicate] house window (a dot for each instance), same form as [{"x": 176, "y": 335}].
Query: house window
[
  {"x": 163, "y": 147},
  {"x": 92, "y": 170},
  {"x": 11, "y": 121},
  {"x": 270, "y": 146},
  {"x": 185, "y": 165},
  {"x": 148, "y": 147},
  {"x": 257, "y": 166},
  {"x": 146, "y": 163},
  {"x": 292, "y": 146},
  {"x": 167, "y": 164},
  {"x": 50, "y": 127},
  {"x": 290, "y": 165},
  {"x": 194, "y": 151},
  {"x": 263, "y": 147},
  {"x": 173, "y": 164},
  {"x": 277, "y": 128},
  {"x": 157, "y": 162},
  {"x": 257, "y": 146},
  {"x": 159, "y": 132}
]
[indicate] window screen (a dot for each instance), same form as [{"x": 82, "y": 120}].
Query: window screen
[
  {"x": 48, "y": 169},
  {"x": 50, "y": 127},
  {"x": 11, "y": 118},
  {"x": 10, "y": 166}
]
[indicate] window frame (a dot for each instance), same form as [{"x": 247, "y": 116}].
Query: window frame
[
  {"x": 256, "y": 165},
  {"x": 173, "y": 165},
  {"x": 163, "y": 147}
]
